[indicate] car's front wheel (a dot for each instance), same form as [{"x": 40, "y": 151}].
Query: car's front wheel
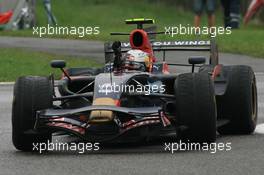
[
  {"x": 196, "y": 106},
  {"x": 30, "y": 95}
]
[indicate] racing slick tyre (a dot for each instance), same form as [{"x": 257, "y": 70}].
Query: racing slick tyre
[
  {"x": 196, "y": 107},
  {"x": 239, "y": 104},
  {"x": 30, "y": 94}
]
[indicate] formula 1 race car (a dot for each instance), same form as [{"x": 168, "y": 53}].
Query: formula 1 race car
[{"x": 135, "y": 97}]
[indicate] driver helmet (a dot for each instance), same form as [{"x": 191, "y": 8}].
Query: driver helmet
[{"x": 137, "y": 60}]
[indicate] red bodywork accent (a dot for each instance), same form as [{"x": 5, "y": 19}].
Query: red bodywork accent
[
  {"x": 142, "y": 123},
  {"x": 67, "y": 74},
  {"x": 164, "y": 119},
  {"x": 217, "y": 71},
  {"x": 5, "y": 17},
  {"x": 68, "y": 126},
  {"x": 134, "y": 123},
  {"x": 165, "y": 68},
  {"x": 145, "y": 45},
  {"x": 253, "y": 8},
  {"x": 118, "y": 103}
]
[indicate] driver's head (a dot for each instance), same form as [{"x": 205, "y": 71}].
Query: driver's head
[{"x": 137, "y": 60}]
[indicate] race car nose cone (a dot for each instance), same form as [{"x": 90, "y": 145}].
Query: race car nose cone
[{"x": 99, "y": 116}]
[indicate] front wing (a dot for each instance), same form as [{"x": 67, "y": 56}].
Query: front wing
[{"x": 76, "y": 121}]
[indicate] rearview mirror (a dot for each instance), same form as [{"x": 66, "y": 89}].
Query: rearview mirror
[
  {"x": 197, "y": 60},
  {"x": 58, "y": 64}
]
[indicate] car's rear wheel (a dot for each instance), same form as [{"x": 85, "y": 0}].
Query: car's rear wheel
[
  {"x": 30, "y": 94},
  {"x": 239, "y": 104},
  {"x": 196, "y": 106}
]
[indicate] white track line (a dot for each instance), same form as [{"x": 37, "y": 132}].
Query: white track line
[
  {"x": 260, "y": 129},
  {"x": 259, "y": 73},
  {"x": 260, "y": 85},
  {"x": 7, "y": 83},
  {"x": 261, "y": 105}
]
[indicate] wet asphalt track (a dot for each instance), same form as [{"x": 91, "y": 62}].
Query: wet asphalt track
[{"x": 245, "y": 157}]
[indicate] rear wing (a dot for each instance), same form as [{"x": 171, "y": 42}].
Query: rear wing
[
  {"x": 163, "y": 46},
  {"x": 140, "y": 21}
]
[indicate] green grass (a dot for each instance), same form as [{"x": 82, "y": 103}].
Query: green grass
[
  {"x": 244, "y": 41},
  {"x": 16, "y": 62},
  {"x": 110, "y": 16}
]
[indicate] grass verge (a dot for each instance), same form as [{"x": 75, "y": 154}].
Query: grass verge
[{"x": 16, "y": 62}]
